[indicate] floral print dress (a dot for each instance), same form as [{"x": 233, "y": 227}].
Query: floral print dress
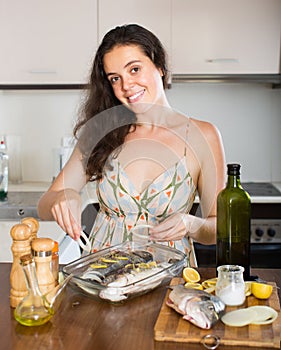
[{"x": 122, "y": 207}]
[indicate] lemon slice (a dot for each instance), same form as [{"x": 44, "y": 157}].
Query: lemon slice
[
  {"x": 191, "y": 275},
  {"x": 210, "y": 289},
  {"x": 193, "y": 285},
  {"x": 261, "y": 290},
  {"x": 248, "y": 288},
  {"x": 210, "y": 282},
  {"x": 98, "y": 266},
  {"x": 108, "y": 260}
]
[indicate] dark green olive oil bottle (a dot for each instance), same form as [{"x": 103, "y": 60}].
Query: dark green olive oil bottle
[{"x": 234, "y": 223}]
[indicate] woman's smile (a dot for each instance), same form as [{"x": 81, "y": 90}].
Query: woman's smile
[{"x": 136, "y": 97}]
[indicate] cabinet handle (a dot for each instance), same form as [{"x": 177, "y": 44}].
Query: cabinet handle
[
  {"x": 222, "y": 60},
  {"x": 42, "y": 72}
]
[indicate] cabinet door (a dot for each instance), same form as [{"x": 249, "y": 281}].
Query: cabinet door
[
  {"x": 226, "y": 36},
  {"x": 47, "y": 42},
  {"x": 154, "y": 15}
]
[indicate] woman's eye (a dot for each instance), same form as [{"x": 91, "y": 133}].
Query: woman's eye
[
  {"x": 114, "y": 80},
  {"x": 135, "y": 69}
]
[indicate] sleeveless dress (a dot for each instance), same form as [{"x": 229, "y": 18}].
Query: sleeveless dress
[{"x": 122, "y": 207}]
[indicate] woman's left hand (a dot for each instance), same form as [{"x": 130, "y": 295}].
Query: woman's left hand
[{"x": 174, "y": 228}]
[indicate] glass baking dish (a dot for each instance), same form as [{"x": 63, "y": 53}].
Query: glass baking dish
[{"x": 164, "y": 263}]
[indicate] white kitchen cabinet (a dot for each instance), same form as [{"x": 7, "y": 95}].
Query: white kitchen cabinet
[
  {"x": 226, "y": 36},
  {"x": 47, "y": 42},
  {"x": 154, "y": 15},
  {"x": 54, "y": 42}
]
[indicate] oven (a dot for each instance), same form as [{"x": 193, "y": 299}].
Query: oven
[{"x": 265, "y": 228}]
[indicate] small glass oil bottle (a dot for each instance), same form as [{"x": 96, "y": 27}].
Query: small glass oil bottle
[{"x": 34, "y": 309}]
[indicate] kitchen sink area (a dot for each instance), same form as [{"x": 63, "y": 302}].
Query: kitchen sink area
[{"x": 20, "y": 204}]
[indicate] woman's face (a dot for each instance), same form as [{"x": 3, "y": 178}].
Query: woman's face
[{"x": 135, "y": 80}]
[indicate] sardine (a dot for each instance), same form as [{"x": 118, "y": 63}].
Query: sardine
[
  {"x": 108, "y": 268},
  {"x": 135, "y": 281},
  {"x": 197, "y": 306}
]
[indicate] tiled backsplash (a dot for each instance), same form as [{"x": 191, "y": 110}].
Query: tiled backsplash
[{"x": 247, "y": 115}]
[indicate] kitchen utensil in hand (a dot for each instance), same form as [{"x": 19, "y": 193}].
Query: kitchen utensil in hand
[{"x": 87, "y": 245}]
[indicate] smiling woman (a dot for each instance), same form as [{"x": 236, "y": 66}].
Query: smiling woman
[
  {"x": 148, "y": 161},
  {"x": 134, "y": 78}
]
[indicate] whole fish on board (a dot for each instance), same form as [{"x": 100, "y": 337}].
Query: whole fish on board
[{"x": 197, "y": 306}]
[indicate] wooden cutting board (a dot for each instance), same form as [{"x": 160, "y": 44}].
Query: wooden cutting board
[{"x": 171, "y": 327}]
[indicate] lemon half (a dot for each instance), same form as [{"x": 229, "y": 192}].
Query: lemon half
[
  {"x": 261, "y": 290},
  {"x": 191, "y": 275}
]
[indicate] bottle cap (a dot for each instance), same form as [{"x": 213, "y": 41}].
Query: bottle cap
[
  {"x": 233, "y": 169},
  {"x": 42, "y": 247},
  {"x": 55, "y": 247}
]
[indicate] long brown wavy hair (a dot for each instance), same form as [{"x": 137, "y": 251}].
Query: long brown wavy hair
[{"x": 104, "y": 123}]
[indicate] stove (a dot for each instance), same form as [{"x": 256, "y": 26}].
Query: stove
[
  {"x": 266, "y": 231},
  {"x": 265, "y": 224},
  {"x": 265, "y": 228},
  {"x": 261, "y": 189}
]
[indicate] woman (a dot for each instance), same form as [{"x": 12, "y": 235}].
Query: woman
[{"x": 147, "y": 160}]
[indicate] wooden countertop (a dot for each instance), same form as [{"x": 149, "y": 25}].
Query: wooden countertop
[{"x": 84, "y": 323}]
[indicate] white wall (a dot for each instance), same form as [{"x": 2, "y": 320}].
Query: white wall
[
  {"x": 41, "y": 118},
  {"x": 248, "y": 116}
]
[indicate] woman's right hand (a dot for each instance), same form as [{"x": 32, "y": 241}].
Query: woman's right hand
[
  {"x": 62, "y": 202},
  {"x": 66, "y": 210}
]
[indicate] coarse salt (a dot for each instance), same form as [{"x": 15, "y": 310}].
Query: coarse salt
[{"x": 233, "y": 294}]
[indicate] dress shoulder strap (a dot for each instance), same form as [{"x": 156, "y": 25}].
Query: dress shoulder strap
[{"x": 186, "y": 135}]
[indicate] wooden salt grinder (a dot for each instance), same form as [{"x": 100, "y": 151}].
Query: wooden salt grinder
[
  {"x": 20, "y": 234},
  {"x": 33, "y": 224},
  {"x": 41, "y": 249}
]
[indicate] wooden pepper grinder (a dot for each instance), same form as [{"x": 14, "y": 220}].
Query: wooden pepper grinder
[
  {"x": 20, "y": 234},
  {"x": 41, "y": 249},
  {"x": 33, "y": 224}
]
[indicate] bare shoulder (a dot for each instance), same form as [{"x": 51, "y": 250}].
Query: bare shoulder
[
  {"x": 206, "y": 129},
  {"x": 204, "y": 126}
]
